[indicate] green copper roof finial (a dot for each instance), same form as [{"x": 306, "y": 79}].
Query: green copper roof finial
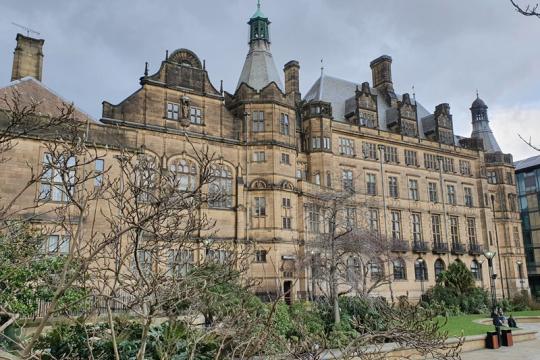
[{"x": 258, "y": 13}]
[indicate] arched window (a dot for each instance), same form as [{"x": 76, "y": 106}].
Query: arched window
[
  {"x": 439, "y": 267},
  {"x": 146, "y": 173},
  {"x": 184, "y": 174},
  {"x": 220, "y": 189},
  {"x": 420, "y": 270},
  {"x": 400, "y": 270},
  {"x": 376, "y": 269},
  {"x": 476, "y": 269}
]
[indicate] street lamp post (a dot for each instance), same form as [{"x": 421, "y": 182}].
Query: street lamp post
[
  {"x": 481, "y": 262},
  {"x": 312, "y": 275},
  {"x": 207, "y": 244},
  {"x": 492, "y": 276}
]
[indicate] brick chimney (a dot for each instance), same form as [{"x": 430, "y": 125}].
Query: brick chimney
[
  {"x": 292, "y": 79},
  {"x": 27, "y": 58}
]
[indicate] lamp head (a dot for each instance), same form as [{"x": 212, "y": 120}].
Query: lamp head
[
  {"x": 519, "y": 262},
  {"x": 489, "y": 254}
]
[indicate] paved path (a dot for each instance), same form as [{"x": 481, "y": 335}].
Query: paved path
[{"x": 527, "y": 350}]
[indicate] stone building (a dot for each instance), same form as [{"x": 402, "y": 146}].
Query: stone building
[{"x": 440, "y": 197}]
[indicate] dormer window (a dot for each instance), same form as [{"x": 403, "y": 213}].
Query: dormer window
[{"x": 173, "y": 110}]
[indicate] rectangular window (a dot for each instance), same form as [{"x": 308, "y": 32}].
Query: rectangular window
[
  {"x": 347, "y": 180},
  {"x": 369, "y": 150},
  {"x": 258, "y": 121},
  {"x": 346, "y": 146},
  {"x": 260, "y": 256},
  {"x": 259, "y": 156},
  {"x": 371, "y": 184},
  {"x": 260, "y": 206},
  {"x": 219, "y": 256},
  {"x": 373, "y": 219},
  {"x": 410, "y": 158},
  {"x": 58, "y": 179},
  {"x": 465, "y": 167},
  {"x": 431, "y": 161},
  {"x": 285, "y": 159},
  {"x": 391, "y": 154},
  {"x": 98, "y": 172},
  {"x": 454, "y": 229},
  {"x": 315, "y": 142},
  {"x": 286, "y": 222},
  {"x": 181, "y": 261},
  {"x": 432, "y": 192},
  {"x": 56, "y": 244},
  {"x": 416, "y": 220},
  {"x": 451, "y": 193},
  {"x": 468, "y": 197},
  {"x": 284, "y": 124},
  {"x": 448, "y": 164},
  {"x": 517, "y": 240},
  {"x": 436, "y": 228},
  {"x": 471, "y": 230},
  {"x": 313, "y": 218},
  {"x": 396, "y": 224},
  {"x": 512, "y": 202},
  {"x": 393, "y": 189},
  {"x": 492, "y": 177},
  {"x": 286, "y": 203},
  {"x": 350, "y": 217},
  {"x": 326, "y": 143},
  {"x": 510, "y": 178},
  {"x": 172, "y": 111},
  {"x": 413, "y": 190},
  {"x": 195, "y": 115}
]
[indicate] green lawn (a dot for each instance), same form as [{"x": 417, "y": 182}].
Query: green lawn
[{"x": 457, "y": 325}]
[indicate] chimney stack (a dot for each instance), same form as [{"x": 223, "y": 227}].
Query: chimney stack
[
  {"x": 381, "y": 69},
  {"x": 292, "y": 79},
  {"x": 27, "y": 58}
]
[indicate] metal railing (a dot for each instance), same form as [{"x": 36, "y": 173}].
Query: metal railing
[
  {"x": 440, "y": 247},
  {"x": 458, "y": 249},
  {"x": 400, "y": 245},
  {"x": 420, "y": 246},
  {"x": 475, "y": 249}
]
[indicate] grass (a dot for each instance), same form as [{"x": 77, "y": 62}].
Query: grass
[{"x": 465, "y": 323}]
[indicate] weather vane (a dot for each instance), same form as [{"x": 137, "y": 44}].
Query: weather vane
[{"x": 27, "y": 29}]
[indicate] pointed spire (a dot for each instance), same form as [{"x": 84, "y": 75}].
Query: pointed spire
[
  {"x": 322, "y": 67},
  {"x": 259, "y": 68},
  {"x": 146, "y": 68},
  {"x": 481, "y": 128}
]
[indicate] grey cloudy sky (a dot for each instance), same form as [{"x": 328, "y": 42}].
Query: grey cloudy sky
[{"x": 95, "y": 50}]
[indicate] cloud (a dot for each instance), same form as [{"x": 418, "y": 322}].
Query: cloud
[
  {"x": 508, "y": 123},
  {"x": 95, "y": 50}
]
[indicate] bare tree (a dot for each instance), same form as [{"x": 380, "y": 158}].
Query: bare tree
[
  {"x": 526, "y": 10},
  {"x": 346, "y": 255}
]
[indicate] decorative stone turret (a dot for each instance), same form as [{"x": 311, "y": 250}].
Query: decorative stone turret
[
  {"x": 481, "y": 129},
  {"x": 27, "y": 58},
  {"x": 259, "y": 68}
]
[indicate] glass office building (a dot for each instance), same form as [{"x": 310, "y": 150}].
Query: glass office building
[{"x": 528, "y": 179}]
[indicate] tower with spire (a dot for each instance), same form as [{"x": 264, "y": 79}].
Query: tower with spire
[
  {"x": 480, "y": 123},
  {"x": 259, "y": 68}
]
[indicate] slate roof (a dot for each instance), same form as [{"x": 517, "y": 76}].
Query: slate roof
[
  {"x": 527, "y": 163},
  {"x": 340, "y": 93},
  {"x": 49, "y": 101},
  {"x": 259, "y": 68}
]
